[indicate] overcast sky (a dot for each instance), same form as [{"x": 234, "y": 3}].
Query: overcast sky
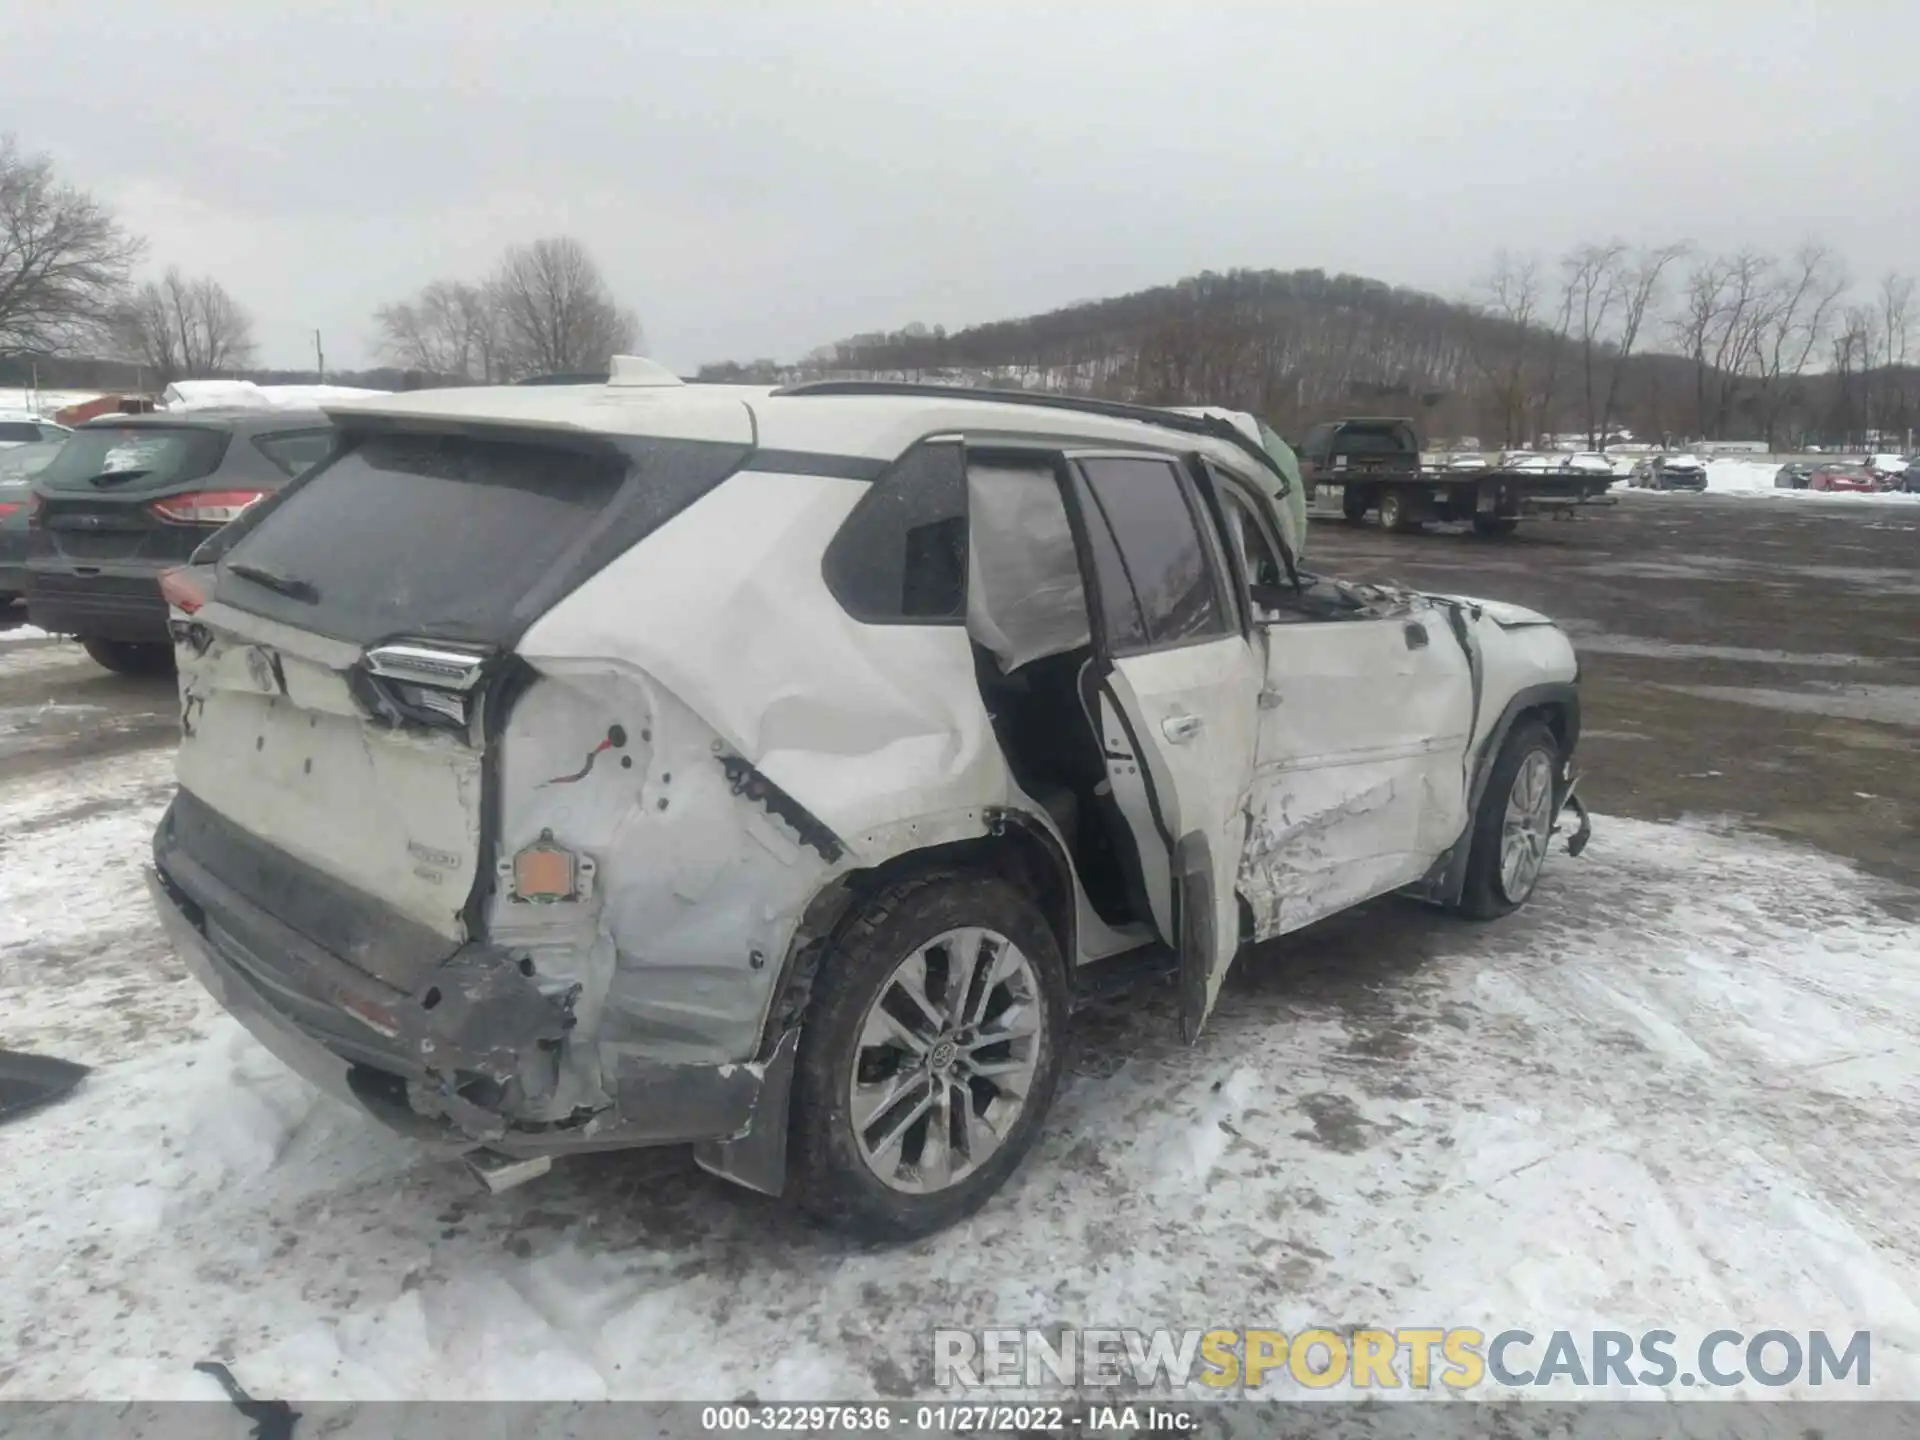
[{"x": 759, "y": 178}]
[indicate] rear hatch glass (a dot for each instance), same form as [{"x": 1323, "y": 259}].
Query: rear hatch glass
[
  {"x": 455, "y": 536},
  {"x": 116, "y": 460}
]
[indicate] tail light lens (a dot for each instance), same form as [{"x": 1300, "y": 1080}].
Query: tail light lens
[
  {"x": 181, "y": 590},
  {"x": 206, "y": 507},
  {"x": 7, "y": 507}
]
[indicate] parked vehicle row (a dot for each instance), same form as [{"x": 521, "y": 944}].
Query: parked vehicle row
[
  {"x": 1374, "y": 463},
  {"x": 127, "y": 497},
  {"x": 1875, "y": 473},
  {"x": 1676, "y": 471},
  {"x": 18, "y": 465}
]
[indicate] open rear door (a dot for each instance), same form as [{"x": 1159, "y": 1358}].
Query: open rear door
[{"x": 1175, "y": 689}]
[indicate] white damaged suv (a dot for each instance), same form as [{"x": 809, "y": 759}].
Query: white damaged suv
[{"x": 578, "y": 767}]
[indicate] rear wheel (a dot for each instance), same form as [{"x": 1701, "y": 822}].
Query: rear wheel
[
  {"x": 1514, "y": 823},
  {"x": 928, "y": 1057},
  {"x": 1396, "y": 514},
  {"x": 1495, "y": 524},
  {"x": 1355, "y": 501},
  {"x": 129, "y": 657}
]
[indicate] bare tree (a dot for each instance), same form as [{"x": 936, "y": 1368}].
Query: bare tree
[
  {"x": 1719, "y": 330},
  {"x": 1505, "y": 355},
  {"x": 1593, "y": 285},
  {"x": 555, "y": 312},
  {"x": 1637, "y": 285},
  {"x": 1793, "y": 317},
  {"x": 451, "y": 328},
  {"x": 183, "y": 328},
  {"x": 1895, "y": 301},
  {"x": 64, "y": 260}
]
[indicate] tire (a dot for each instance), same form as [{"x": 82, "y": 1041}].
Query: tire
[
  {"x": 1396, "y": 514},
  {"x": 1355, "y": 501},
  {"x": 129, "y": 657},
  {"x": 1485, "y": 894},
  {"x": 829, "y": 1172},
  {"x": 1495, "y": 524}
]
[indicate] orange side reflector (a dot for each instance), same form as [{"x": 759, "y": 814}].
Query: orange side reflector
[{"x": 543, "y": 871}]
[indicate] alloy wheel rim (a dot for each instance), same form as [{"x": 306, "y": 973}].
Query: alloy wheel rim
[
  {"x": 1525, "y": 828},
  {"x": 945, "y": 1060}
]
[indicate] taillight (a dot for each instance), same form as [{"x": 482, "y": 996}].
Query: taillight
[
  {"x": 7, "y": 507},
  {"x": 206, "y": 507},
  {"x": 181, "y": 590}
]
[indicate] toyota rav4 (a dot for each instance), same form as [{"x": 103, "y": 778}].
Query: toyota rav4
[{"x": 585, "y": 766}]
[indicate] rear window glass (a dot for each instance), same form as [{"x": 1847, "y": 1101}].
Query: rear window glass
[
  {"x": 458, "y": 537},
  {"x": 1353, "y": 441},
  {"x": 18, "y": 431},
  {"x": 296, "y": 450},
  {"x": 106, "y": 457}
]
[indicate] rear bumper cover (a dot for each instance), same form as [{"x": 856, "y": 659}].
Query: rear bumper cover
[
  {"x": 121, "y": 603},
  {"x": 466, "y": 1069}
]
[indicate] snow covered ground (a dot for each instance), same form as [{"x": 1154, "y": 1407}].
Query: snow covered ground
[{"x": 1676, "y": 1092}]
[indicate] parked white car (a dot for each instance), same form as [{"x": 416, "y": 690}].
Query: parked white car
[
  {"x": 576, "y": 767},
  {"x": 23, "y": 427}
]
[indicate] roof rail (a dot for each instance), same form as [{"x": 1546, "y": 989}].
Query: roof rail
[{"x": 1209, "y": 425}]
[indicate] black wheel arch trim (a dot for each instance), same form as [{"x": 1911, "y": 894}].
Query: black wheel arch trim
[{"x": 1449, "y": 876}]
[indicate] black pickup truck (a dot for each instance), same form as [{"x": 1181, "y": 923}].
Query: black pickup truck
[{"x": 1374, "y": 464}]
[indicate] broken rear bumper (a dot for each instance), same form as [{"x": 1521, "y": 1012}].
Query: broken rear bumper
[{"x": 301, "y": 1004}]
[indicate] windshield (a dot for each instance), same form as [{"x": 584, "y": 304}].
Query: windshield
[{"x": 93, "y": 457}]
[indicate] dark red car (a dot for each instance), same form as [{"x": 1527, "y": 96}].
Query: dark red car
[{"x": 1842, "y": 475}]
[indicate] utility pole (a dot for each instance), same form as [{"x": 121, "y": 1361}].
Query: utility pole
[{"x": 319, "y": 358}]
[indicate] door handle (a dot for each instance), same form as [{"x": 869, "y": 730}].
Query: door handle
[
  {"x": 1181, "y": 728},
  {"x": 1416, "y": 634}
]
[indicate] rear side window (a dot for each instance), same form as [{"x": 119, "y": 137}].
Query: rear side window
[
  {"x": 901, "y": 556},
  {"x": 134, "y": 457},
  {"x": 1158, "y": 545},
  {"x": 20, "y": 432},
  {"x": 1374, "y": 440},
  {"x": 295, "y": 450},
  {"x": 456, "y": 536}
]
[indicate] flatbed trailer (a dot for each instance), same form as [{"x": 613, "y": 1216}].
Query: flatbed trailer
[{"x": 1493, "y": 501}]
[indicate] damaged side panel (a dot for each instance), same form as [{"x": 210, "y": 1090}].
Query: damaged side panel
[
  {"x": 1361, "y": 768},
  {"x": 697, "y": 884}
]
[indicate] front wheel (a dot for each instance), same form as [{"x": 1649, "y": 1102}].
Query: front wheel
[
  {"x": 129, "y": 657},
  {"x": 928, "y": 1058},
  {"x": 1514, "y": 823},
  {"x": 1354, "y": 504}
]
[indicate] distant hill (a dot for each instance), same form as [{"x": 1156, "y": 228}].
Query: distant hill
[{"x": 1300, "y": 346}]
